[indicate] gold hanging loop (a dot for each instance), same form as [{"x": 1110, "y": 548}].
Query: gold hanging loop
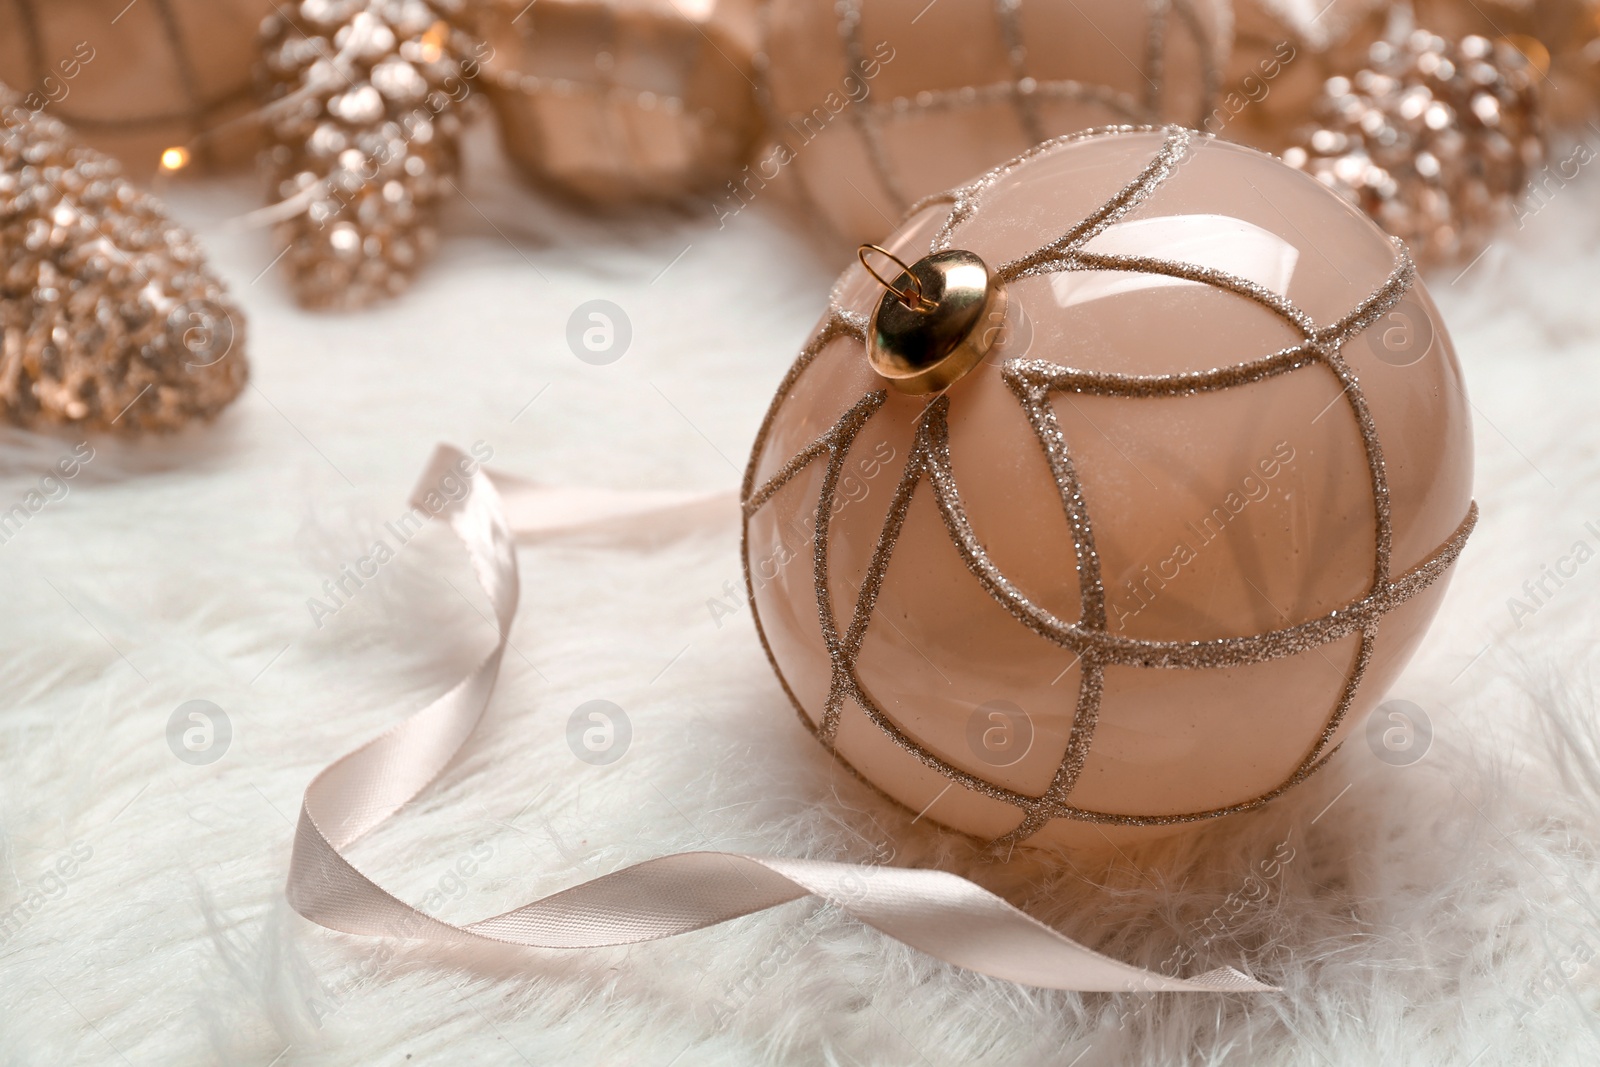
[{"x": 913, "y": 301}]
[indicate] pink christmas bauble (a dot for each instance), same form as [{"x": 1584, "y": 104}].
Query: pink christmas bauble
[
  {"x": 1165, "y": 544},
  {"x": 871, "y": 105},
  {"x": 136, "y": 81}
]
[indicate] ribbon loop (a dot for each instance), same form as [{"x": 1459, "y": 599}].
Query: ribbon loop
[{"x": 934, "y": 911}]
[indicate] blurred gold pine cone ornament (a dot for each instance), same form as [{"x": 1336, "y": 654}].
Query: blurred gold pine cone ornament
[
  {"x": 1436, "y": 140},
  {"x": 364, "y": 116},
  {"x": 1560, "y": 38},
  {"x": 112, "y": 319}
]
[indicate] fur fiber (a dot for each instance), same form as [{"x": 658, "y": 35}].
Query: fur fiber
[{"x": 1447, "y": 912}]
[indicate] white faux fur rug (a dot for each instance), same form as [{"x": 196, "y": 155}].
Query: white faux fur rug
[{"x": 1439, "y": 913}]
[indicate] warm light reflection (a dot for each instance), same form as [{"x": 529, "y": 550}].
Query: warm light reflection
[
  {"x": 1219, "y": 242},
  {"x": 432, "y": 42}
]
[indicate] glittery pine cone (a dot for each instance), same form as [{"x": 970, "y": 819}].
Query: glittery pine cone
[
  {"x": 1560, "y": 38},
  {"x": 111, "y": 318},
  {"x": 363, "y": 108},
  {"x": 1435, "y": 140}
]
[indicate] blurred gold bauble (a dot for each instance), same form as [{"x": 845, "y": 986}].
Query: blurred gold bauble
[
  {"x": 873, "y": 104},
  {"x": 136, "y": 79},
  {"x": 607, "y": 101}
]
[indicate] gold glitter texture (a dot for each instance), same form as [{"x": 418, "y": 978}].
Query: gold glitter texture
[
  {"x": 1436, "y": 140},
  {"x": 112, "y": 320},
  {"x": 363, "y": 105}
]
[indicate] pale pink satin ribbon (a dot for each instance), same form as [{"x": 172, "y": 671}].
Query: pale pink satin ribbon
[{"x": 937, "y": 912}]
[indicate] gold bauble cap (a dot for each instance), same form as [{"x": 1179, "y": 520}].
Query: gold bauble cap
[{"x": 937, "y": 320}]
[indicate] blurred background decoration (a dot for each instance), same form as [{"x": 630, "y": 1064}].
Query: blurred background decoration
[
  {"x": 607, "y": 102},
  {"x": 1435, "y": 139},
  {"x": 1282, "y": 54},
  {"x": 852, "y": 110},
  {"x": 878, "y": 103},
  {"x": 154, "y": 83},
  {"x": 112, "y": 319},
  {"x": 1431, "y": 116},
  {"x": 1560, "y": 38},
  {"x": 363, "y": 106}
]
